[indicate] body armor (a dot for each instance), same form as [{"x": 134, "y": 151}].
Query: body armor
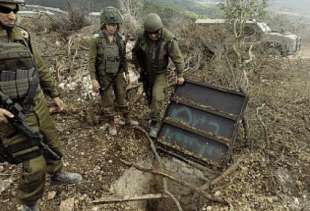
[
  {"x": 19, "y": 82},
  {"x": 109, "y": 57},
  {"x": 18, "y": 74}
]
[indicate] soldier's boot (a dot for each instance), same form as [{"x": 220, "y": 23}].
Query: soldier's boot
[
  {"x": 34, "y": 207},
  {"x": 129, "y": 121},
  {"x": 64, "y": 177},
  {"x": 112, "y": 128},
  {"x": 154, "y": 129}
]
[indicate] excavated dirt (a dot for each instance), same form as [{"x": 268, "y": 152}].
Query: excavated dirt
[{"x": 273, "y": 164}]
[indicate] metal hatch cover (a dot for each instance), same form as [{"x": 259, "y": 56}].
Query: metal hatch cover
[{"x": 201, "y": 122}]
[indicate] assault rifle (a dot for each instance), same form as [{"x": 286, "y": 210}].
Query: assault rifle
[{"x": 18, "y": 122}]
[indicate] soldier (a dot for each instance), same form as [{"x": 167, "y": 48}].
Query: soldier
[
  {"x": 23, "y": 76},
  {"x": 151, "y": 54},
  {"x": 107, "y": 65}
]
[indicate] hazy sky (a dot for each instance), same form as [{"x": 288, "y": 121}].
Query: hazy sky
[
  {"x": 300, "y": 6},
  {"x": 294, "y": 4}
]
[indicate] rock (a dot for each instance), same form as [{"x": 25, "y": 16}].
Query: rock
[
  {"x": 67, "y": 205},
  {"x": 95, "y": 209},
  {"x": 217, "y": 193},
  {"x": 5, "y": 184},
  {"x": 132, "y": 183},
  {"x": 51, "y": 195},
  {"x": 209, "y": 208}
]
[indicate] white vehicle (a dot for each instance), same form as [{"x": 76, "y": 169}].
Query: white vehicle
[{"x": 257, "y": 33}]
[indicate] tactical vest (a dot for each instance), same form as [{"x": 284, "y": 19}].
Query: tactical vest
[
  {"x": 18, "y": 81},
  {"x": 109, "y": 55},
  {"x": 18, "y": 74}
]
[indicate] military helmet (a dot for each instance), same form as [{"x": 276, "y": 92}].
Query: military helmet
[
  {"x": 152, "y": 22},
  {"x": 13, "y": 1},
  {"x": 110, "y": 15}
]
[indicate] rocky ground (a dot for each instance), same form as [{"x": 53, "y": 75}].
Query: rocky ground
[{"x": 271, "y": 167}]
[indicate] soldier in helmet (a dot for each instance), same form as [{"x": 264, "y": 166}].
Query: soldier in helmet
[
  {"x": 23, "y": 78},
  {"x": 107, "y": 65},
  {"x": 151, "y": 54}
]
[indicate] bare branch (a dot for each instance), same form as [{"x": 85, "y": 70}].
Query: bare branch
[{"x": 115, "y": 199}]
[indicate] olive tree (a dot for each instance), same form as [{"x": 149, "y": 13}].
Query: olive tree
[{"x": 242, "y": 59}]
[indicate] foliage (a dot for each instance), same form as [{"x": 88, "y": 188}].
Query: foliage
[
  {"x": 89, "y": 5},
  {"x": 75, "y": 20},
  {"x": 188, "y": 7},
  {"x": 194, "y": 7},
  {"x": 239, "y": 57},
  {"x": 245, "y": 9},
  {"x": 165, "y": 10}
]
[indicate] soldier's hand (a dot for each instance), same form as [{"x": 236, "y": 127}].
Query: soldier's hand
[
  {"x": 96, "y": 86},
  {"x": 180, "y": 80},
  {"x": 59, "y": 105},
  {"x": 4, "y": 115}
]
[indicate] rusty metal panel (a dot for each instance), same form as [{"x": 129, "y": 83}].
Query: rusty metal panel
[
  {"x": 201, "y": 122},
  {"x": 201, "y": 119},
  {"x": 222, "y": 100},
  {"x": 193, "y": 144}
]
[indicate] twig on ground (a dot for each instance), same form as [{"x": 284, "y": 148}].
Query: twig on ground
[
  {"x": 8, "y": 174},
  {"x": 227, "y": 172},
  {"x": 114, "y": 199},
  {"x": 157, "y": 157},
  {"x": 176, "y": 201},
  {"x": 263, "y": 124},
  {"x": 151, "y": 142},
  {"x": 246, "y": 133}
]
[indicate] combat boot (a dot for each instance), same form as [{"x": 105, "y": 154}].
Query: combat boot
[
  {"x": 34, "y": 207},
  {"x": 154, "y": 129},
  {"x": 64, "y": 177},
  {"x": 129, "y": 121}
]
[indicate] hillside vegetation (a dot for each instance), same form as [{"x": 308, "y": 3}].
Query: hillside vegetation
[{"x": 190, "y": 8}]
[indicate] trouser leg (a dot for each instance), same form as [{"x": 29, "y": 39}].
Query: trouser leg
[
  {"x": 107, "y": 100},
  {"x": 51, "y": 138},
  {"x": 120, "y": 94},
  {"x": 158, "y": 96},
  {"x": 32, "y": 181}
]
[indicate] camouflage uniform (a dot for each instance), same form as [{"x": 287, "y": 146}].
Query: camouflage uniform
[
  {"x": 31, "y": 185},
  {"x": 107, "y": 61},
  {"x": 152, "y": 58},
  {"x": 107, "y": 65}
]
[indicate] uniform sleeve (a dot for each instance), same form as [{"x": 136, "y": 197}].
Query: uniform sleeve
[
  {"x": 92, "y": 58},
  {"x": 124, "y": 65},
  {"x": 176, "y": 56},
  {"x": 47, "y": 82},
  {"x": 135, "y": 57}
]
